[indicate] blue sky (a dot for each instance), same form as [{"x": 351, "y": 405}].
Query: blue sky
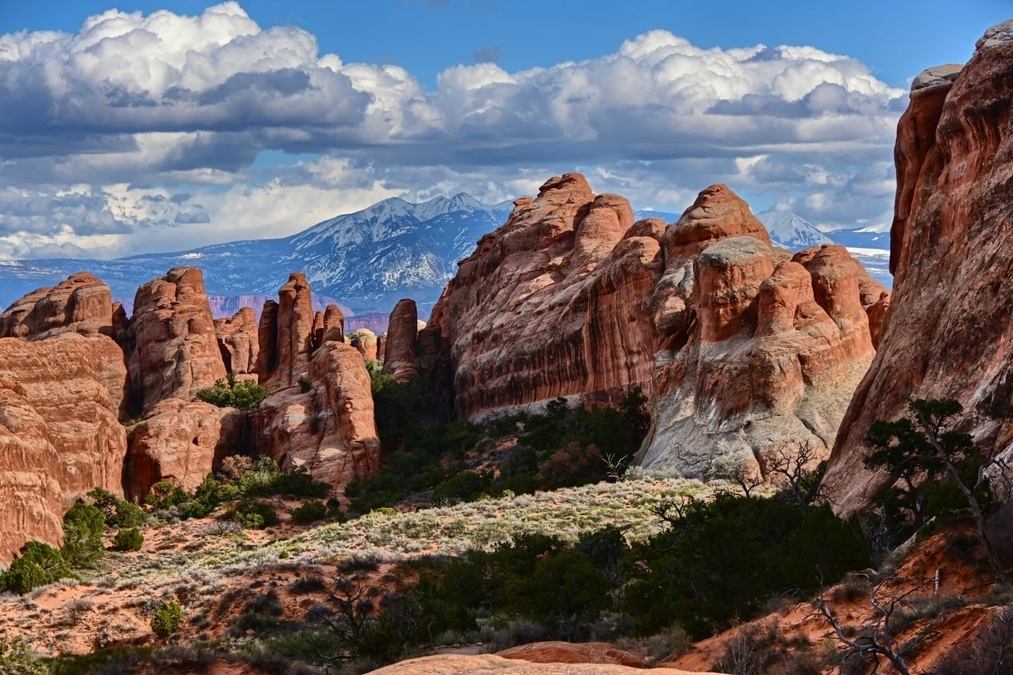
[{"x": 141, "y": 131}]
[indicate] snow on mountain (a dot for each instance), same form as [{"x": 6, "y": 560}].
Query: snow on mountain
[
  {"x": 368, "y": 260},
  {"x": 792, "y": 231}
]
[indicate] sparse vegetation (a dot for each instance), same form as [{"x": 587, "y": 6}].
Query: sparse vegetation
[
  {"x": 39, "y": 564},
  {"x": 83, "y": 526},
  {"x": 167, "y": 619},
  {"x": 229, "y": 393},
  {"x": 129, "y": 539}
]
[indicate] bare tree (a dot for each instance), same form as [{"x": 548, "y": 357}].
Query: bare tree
[
  {"x": 880, "y": 637},
  {"x": 796, "y": 470}
]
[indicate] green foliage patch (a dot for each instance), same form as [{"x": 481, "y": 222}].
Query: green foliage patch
[
  {"x": 229, "y": 393},
  {"x": 38, "y": 565}
]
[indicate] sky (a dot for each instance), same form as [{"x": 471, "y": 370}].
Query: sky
[{"x": 158, "y": 125}]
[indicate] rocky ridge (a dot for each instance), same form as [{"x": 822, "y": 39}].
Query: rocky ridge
[{"x": 739, "y": 345}]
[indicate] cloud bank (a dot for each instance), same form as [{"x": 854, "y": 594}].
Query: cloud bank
[{"x": 140, "y": 132}]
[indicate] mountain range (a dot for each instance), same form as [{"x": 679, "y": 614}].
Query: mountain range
[{"x": 368, "y": 260}]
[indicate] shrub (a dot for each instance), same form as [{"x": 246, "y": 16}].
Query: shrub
[
  {"x": 129, "y": 539},
  {"x": 167, "y": 619},
  {"x": 83, "y": 526},
  {"x": 253, "y": 515},
  {"x": 18, "y": 658},
  {"x": 309, "y": 512},
  {"x": 245, "y": 395},
  {"x": 39, "y": 564},
  {"x": 118, "y": 512}
]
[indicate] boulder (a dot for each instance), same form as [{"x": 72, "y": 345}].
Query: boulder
[
  {"x": 489, "y": 664},
  {"x": 175, "y": 349},
  {"x": 181, "y": 441},
  {"x": 572, "y": 652},
  {"x": 948, "y": 330},
  {"x": 366, "y": 342}
]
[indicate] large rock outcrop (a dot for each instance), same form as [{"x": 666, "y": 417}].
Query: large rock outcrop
[
  {"x": 238, "y": 342},
  {"x": 181, "y": 441},
  {"x": 30, "y": 493},
  {"x": 739, "y": 346},
  {"x": 949, "y": 329},
  {"x": 550, "y": 304},
  {"x": 320, "y": 412},
  {"x": 491, "y": 664},
  {"x": 175, "y": 348},
  {"x": 60, "y": 378},
  {"x": 399, "y": 357}
]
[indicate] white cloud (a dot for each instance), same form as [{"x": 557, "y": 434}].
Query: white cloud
[{"x": 141, "y": 109}]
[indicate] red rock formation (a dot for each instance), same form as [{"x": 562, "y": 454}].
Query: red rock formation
[
  {"x": 548, "y": 305},
  {"x": 572, "y": 652},
  {"x": 267, "y": 340},
  {"x": 489, "y": 664},
  {"x": 180, "y": 441},
  {"x": 949, "y": 329},
  {"x": 399, "y": 359},
  {"x": 294, "y": 342},
  {"x": 81, "y": 304},
  {"x": 738, "y": 347},
  {"x": 175, "y": 347},
  {"x": 60, "y": 378},
  {"x": 334, "y": 325},
  {"x": 30, "y": 494},
  {"x": 238, "y": 342},
  {"x": 328, "y": 428}
]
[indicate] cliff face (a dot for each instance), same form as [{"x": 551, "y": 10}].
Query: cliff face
[
  {"x": 949, "y": 329},
  {"x": 546, "y": 306},
  {"x": 738, "y": 346}
]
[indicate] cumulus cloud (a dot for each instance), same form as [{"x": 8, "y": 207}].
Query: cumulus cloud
[{"x": 140, "y": 109}]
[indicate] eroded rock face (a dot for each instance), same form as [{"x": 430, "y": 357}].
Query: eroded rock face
[
  {"x": 329, "y": 428},
  {"x": 399, "y": 359},
  {"x": 60, "y": 379},
  {"x": 548, "y": 305},
  {"x": 757, "y": 350},
  {"x": 30, "y": 493},
  {"x": 739, "y": 347},
  {"x": 180, "y": 441},
  {"x": 949, "y": 327},
  {"x": 175, "y": 348},
  {"x": 238, "y": 342},
  {"x": 366, "y": 342},
  {"x": 293, "y": 345}
]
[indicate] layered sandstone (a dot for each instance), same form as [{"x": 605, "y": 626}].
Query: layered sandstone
[
  {"x": 550, "y": 304},
  {"x": 739, "y": 347},
  {"x": 949, "y": 328},
  {"x": 180, "y": 441},
  {"x": 61, "y": 379},
  {"x": 757, "y": 349},
  {"x": 320, "y": 412},
  {"x": 238, "y": 342},
  {"x": 30, "y": 493},
  {"x": 175, "y": 348}
]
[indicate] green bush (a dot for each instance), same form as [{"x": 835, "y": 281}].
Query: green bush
[
  {"x": 129, "y": 539},
  {"x": 167, "y": 619},
  {"x": 83, "y": 526},
  {"x": 39, "y": 564},
  {"x": 18, "y": 658},
  {"x": 309, "y": 512},
  {"x": 118, "y": 512},
  {"x": 245, "y": 395},
  {"x": 252, "y": 515}
]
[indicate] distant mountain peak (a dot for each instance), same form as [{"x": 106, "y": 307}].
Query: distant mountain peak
[{"x": 792, "y": 230}]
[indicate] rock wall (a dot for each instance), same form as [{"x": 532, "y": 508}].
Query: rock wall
[
  {"x": 59, "y": 378},
  {"x": 949, "y": 329},
  {"x": 238, "y": 342},
  {"x": 399, "y": 358},
  {"x": 30, "y": 492}
]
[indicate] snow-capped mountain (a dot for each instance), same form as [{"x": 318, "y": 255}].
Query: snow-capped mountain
[
  {"x": 792, "y": 231},
  {"x": 368, "y": 260}
]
